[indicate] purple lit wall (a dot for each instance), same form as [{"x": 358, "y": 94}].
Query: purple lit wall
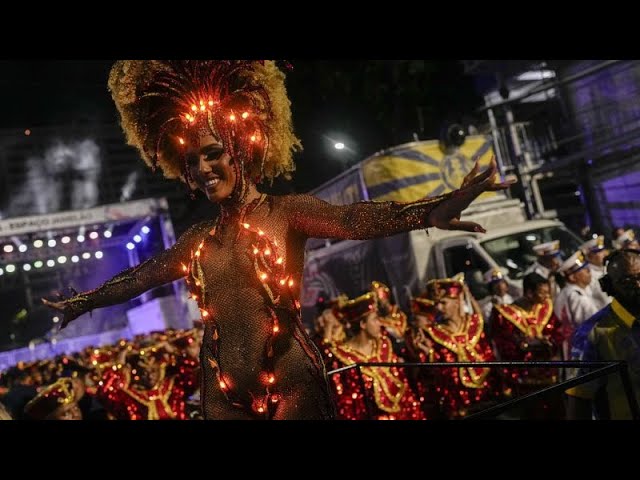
[
  {"x": 606, "y": 105},
  {"x": 115, "y": 260},
  {"x": 623, "y": 188},
  {"x": 606, "y": 113}
]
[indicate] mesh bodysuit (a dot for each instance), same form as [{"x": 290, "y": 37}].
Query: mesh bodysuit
[{"x": 245, "y": 271}]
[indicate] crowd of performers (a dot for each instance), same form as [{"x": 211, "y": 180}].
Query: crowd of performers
[
  {"x": 449, "y": 325},
  {"x": 156, "y": 376},
  {"x": 152, "y": 377}
]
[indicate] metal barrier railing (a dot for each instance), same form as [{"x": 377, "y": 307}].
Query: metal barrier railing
[{"x": 605, "y": 368}]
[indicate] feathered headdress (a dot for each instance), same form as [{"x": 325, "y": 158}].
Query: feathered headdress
[{"x": 165, "y": 104}]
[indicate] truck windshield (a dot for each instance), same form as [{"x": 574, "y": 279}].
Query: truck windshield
[{"x": 515, "y": 251}]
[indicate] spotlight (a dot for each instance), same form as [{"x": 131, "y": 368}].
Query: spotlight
[
  {"x": 22, "y": 248},
  {"x": 137, "y": 238},
  {"x": 8, "y": 248},
  {"x": 56, "y": 319},
  {"x": 453, "y": 136},
  {"x": 10, "y": 268},
  {"x": 38, "y": 264},
  {"x": 93, "y": 235},
  {"x": 98, "y": 254},
  {"x": 75, "y": 259},
  {"x": 145, "y": 229},
  {"x": 86, "y": 255},
  {"x": 38, "y": 243},
  {"x": 50, "y": 263},
  {"x": 51, "y": 243},
  {"x": 26, "y": 267},
  {"x": 65, "y": 239},
  {"x": 1, "y": 272},
  {"x": 80, "y": 238},
  {"x": 107, "y": 234},
  {"x": 130, "y": 246},
  {"x": 62, "y": 259}
]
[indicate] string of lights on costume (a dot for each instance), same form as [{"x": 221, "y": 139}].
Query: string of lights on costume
[
  {"x": 393, "y": 398},
  {"x": 514, "y": 332},
  {"x": 460, "y": 390},
  {"x": 246, "y": 310}
]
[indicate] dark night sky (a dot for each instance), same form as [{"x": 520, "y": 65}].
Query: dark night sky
[{"x": 374, "y": 104}]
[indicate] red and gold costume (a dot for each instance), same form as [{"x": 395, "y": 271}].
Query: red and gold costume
[
  {"x": 124, "y": 400},
  {"x": 393, "y": 319},
  {"x": 393, "y": 398},
  {"x": 462, "y": 390},
  {"x": 419, "y": 350},
  {"x": 425, "y": 308},
  {"x": 244, "y": 268},
  {"x": 325, "y": 339},
  {"x": 513, "y": 329},
  {"x": 50, "y": 398},
  {"x": 459, "y": 389}
]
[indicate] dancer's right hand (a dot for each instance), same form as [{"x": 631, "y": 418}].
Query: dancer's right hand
[{"x": 64, "y": 307}]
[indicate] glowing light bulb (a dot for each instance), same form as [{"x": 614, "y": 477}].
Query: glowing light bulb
[{"x": 245, "y": 115}]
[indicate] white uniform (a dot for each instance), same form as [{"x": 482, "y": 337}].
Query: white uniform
[
  {"x": 596, "y": 272},
  {"x": 487, "y": 303},
  {"x": 600, "y": 298},
  {"x": 574, "y": 306},
  {"x": 546, "y": 273}
]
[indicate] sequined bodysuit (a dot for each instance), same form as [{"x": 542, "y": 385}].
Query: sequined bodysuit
[{"x": 257, "y": 361}]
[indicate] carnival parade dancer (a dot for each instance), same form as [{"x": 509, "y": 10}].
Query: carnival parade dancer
[{"x": 224, "y": 127}]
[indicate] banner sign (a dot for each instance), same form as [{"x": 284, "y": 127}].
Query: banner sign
[{"x": 103, "y": 214}]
